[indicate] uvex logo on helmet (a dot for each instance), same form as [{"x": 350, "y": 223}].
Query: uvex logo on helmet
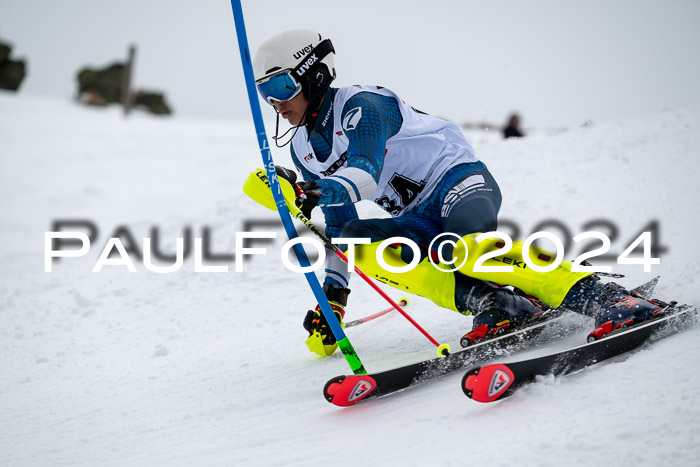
[
  {"x": 304, "y": 51},
  {"x": 304, "y": 67}
]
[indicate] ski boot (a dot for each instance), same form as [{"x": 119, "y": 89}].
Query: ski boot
[
  {"x": 321, "y": 340},
  {"x": 612, "y": 306},
  {"x": 496, "y": 309},
  {"x": 621, "y": 309}
]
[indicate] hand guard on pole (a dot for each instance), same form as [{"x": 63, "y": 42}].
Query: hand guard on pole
[{"x": 321, "y": 339}]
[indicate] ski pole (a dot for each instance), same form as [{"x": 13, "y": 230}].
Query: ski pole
[
  {"x": 402, "y": 302},
  {"x": 343, "y": 342},
  {"x": 255, "y": 186}
]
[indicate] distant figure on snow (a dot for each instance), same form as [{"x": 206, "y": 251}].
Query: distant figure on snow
[{"x": 512, "y": 130}]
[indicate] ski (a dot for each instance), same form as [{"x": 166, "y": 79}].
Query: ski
[
  {"x": 347, "y": 390},
  {"x": 498, "y": 381},
  {"x": 350, "y": 389}
]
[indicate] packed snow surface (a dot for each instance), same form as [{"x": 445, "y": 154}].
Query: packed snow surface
[{"x": 194, "y": 368}]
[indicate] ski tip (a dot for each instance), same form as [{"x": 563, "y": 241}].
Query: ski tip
[
  {"x": 345, "y": 391},
  {"x": 487, "y": 383}
]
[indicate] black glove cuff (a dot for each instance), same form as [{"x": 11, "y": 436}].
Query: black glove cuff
[
  {"x": 308, "y": 199},
  {"x": 287, "y": 174}
]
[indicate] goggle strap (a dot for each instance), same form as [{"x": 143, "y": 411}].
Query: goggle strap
[{"x": 320, "y": 52}]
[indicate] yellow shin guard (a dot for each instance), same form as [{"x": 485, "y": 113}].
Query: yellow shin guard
[
  {"x": 425, "y": 279},
  {"x": 437, "y": 283},
  {"x": 550, "y": 287}
]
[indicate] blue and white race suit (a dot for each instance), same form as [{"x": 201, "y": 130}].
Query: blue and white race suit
[{"x": 369, "y": 144}]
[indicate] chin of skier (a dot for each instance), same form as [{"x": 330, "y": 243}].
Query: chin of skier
[{"x": 364, "y": 142}]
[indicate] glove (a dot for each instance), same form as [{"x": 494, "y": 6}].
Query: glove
[
  {"x": 315, "y": 322},
  {"x": 308, "y": 192}
]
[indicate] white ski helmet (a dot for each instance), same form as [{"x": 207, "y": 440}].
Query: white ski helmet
[{"x": 299, "y": 60}]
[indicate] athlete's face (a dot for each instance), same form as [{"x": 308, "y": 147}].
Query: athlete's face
[{"x": 293, "y": 109}]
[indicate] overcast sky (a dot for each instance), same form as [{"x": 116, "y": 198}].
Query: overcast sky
[{"x": 556, "y": 62}]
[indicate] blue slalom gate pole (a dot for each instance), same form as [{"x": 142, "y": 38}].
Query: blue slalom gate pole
[{"x": 269, "y": 165}]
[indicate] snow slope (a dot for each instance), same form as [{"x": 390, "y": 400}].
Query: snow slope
[{"x": 120, "y": 368}]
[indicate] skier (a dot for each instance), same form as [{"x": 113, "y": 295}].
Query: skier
[{"x": 364, "y": 142}]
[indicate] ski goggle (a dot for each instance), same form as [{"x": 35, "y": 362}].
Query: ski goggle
[{"x": 280, "y": 86}]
